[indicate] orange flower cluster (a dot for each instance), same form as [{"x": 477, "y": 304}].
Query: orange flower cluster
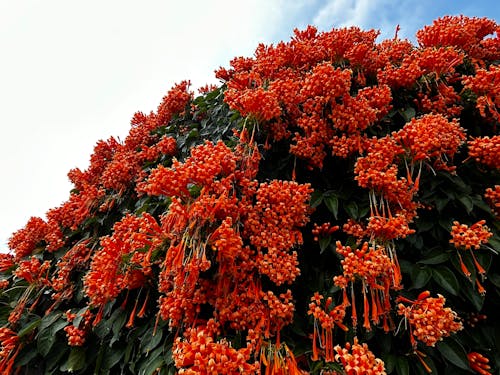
[
  {"x": 357, "y": 359},
  {"x": 431, "y": 137},
  {"x": 273, "y": 223},
  {"x": 76, "y": 334},
  {"x": 471, "y": 237},
  {"x": 25, "y": 240},
  {"x": 75, "y": 258},
  {"x": 444, "y": 101},
  {"x": 485, "y": 84},
  {"x": 429, "y": 320},
  {"x": 465, "y": 33},
  {"x": 323, "y": 230},
  {"x": 33, "y": 271},
  {"x": 221, "y": 219},
  {"x": 327, "y": 317},
  {"x": 198, "y": 353},
  {"x": 6, "y": 261},
  {"x": 374, "y": 268},
  {"x": 9, "y": 348},
  {"x": 134, "y": 237},
  {"x": 279, "y": 360},
  {"x": 479, "y": 363},
  {"x": 297, "y": 91},
  {"x": 492, "y": 195},
  {"x": 486, "y": 150}
]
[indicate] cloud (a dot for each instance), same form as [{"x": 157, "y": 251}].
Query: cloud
[{"x": 383, "y": 15}]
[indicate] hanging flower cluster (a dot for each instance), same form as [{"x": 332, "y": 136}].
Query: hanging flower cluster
[
  {"x": 9, "y": 348},
  {"x": 492, "y": 195},
  {"x": 428, "y": 319},
  {"x": 357, "y": 359},
  {"x": 486, "y": 150}
]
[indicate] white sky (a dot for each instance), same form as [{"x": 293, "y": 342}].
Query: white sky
[{"x": 73, "y": 72}]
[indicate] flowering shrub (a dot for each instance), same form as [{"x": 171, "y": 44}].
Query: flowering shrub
[{"x": 330, "y": 208}]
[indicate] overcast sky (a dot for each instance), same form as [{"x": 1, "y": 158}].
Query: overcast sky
[{"x": 74, "y": 72}]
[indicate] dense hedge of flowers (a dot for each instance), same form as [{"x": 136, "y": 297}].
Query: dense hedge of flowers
[{"x": 331, "y": 208}]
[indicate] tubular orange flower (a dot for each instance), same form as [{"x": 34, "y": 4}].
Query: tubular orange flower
[
  {"x": 479, "y": 363},
  {"x": 429, "y": 320},
  {"x": 9, "y": 348},
  {"x": 357, "y": 359}
]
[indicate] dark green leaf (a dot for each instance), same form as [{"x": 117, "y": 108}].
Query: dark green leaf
[
  {"x": 352, "y": 209},
  {"x": 48, "y": 320},
  {"x": 332, "y": 203},
  {"x": 57, "y": 326},
  {"x": 153, "y": 361},
  {"x": 402, "y": 367},
  {"x": 30, "y": 327},
  {"x": 118, "y": 324},
  {"x": 152, "y": 341},
  {"x": 495, "y": 279},
  {"x": 468, "y": 290},
  {"x": 467, "y": 203},
  {"x": 420, "y": 277},
  {"x": 76, "y": 360},
  {"x": 435, "y": 258},
  {"x": 390, "y": 362},
  {"x": 453, "y": 352},
  {"x": 26, "y": 355},
  {"x": 113, "y": 356},
  {"x": 324, "y": 242},
  {"x": 316, "y": 198},
  {"x": 45, "y": 340},
  {"x": 446, "y": 279}
]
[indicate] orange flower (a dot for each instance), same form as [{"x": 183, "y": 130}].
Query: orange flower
[
  {"x": 429, "y": 320},
  {"x": 357, "y": 359},
  {"x": 479, "y": 363}
]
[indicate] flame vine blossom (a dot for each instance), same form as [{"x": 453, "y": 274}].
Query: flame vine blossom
[
  {"x": 428, "y": 319},
  {"x": 221, "y": 218}
]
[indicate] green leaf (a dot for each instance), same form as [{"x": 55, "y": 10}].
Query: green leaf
[
  {"x": 316, "y": 198},
  {"x": 57, "y": 326},
  {"x": 324, "y": 242},
  {"x": 495, "y": 279},
  {"x": 446, "y": 279},
  {"x": 420, "y": 277},
  {"x": 468, "y": 290},
  {"x": 26, "y": 355},
  {"x": 118, "y": 324},
  {"x": 45, "y": 341},
  {"x": 152, "y": 341},
  {"x": 389, "y": 361},
  {"x": 153, "y": 361},
  {"x": 467, "y": 203},
  {"x": 76, "y": 360},
  {"x": 435, "y": 258},
  {"x": 332, "y": 203},
  {"x": 49, "y": 319},
  {"x": 352, "y": 209},
  {"x": 29, "y": 328},
  {"x": 453, "y": 352},
  {"x": 113, "y": 356},
  {"x": 402, "y": 367}
]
